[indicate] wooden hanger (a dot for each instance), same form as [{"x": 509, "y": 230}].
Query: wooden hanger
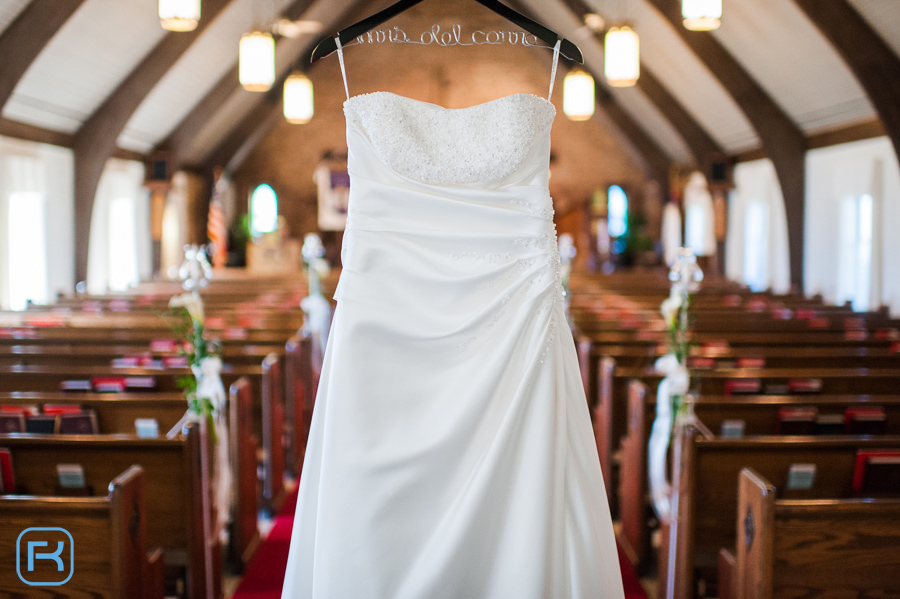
[{"x": 327, "y": 45}]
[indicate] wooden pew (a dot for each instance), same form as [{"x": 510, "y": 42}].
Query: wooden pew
[
  {"x": 610, "y": 412},
  {"x": 758, "y": 412},
  {"x": 116, "y": 412},
  {"x": 244, "y": 535},
  {"x": 109, "y": 543},
  {"x": 176, "y": 478},
  {"x": 812, "y": 548},
  {"x": 268, "y": 393},
  {"x": 707, "y": 501}
]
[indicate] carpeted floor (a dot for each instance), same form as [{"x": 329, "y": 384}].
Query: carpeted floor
[{"x": 266, "y": 570}]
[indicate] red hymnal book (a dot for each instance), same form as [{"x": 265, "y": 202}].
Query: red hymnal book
[
  {"x": 877, "y": 473},
  {"x": 796, "y": 421},
  {"x": 140, "y": 382},
  {"x": 701, "y": 363},
  {"x": 215, "y": 322},
  {"x": 84, "y": 423},
  {"x": 804, "y": 385},
  {"x": 870, "y": 420},
  {"x": 163, "y": 345},
  {"x": 735, "y": 386},
  {"x": 75, "y": 386},
  {"x": 12, "y": 423},
  {"x": 61, "y": 408},
  {"x": 6, "y": 471},
  {"x": 108, "y": 384},
  {"x": 751, "y": 363},
  {"x": 819, "y": 322},
  {"x": 27, "y": 409}
]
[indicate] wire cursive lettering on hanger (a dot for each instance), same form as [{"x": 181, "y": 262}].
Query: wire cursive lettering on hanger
[{"x": 452, "y": 37}]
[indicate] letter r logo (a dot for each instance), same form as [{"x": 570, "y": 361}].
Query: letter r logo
[
  {"x": 54, "y": 556},
  {"x": 39, "y": 566}
]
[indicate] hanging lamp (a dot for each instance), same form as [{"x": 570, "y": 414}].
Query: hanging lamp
[
  {"x": 701, "y": 15},
  {"x": 298, "y": 99},
  {"x": 622, "y": 64},
  {"x": 578, "y": 95},
  {"x": 179, "y": 15},
  {"x": 256, "y": 62}
]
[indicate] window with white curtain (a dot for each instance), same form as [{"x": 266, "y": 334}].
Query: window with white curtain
[
  {"x": 36, "y": 222},
  {"x": 26, "y": 249},
  {"x": 119, "y": 252},
  {"x": 699, "y": 233},
  {"x": 617, "y": 211},
  {"x": 123, "y": 255},
  {"x": 855, "y": 264},
  {"x": 263, "y": 210},
  {"x": 756, "y": 245}
]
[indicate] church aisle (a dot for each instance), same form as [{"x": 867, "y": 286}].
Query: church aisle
[{"x": 265, "y": 573}]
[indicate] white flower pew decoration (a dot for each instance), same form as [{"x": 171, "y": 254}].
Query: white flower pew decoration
[
  {"x": 316, "y": 309},
  {"x": 672, "y": 412}
]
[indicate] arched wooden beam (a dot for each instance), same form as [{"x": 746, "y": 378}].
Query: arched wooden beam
[
  {"x": 177, "y": 143},
  {"x": 781, "y": 139},
  {"x": 95, "y": 141},
  {"x": 872, "y": 61},
  {"x": 702, "y": 146},
  {"x": 27, "y": 35}
]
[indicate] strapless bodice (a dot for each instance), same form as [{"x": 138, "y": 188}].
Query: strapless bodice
[{"x": 494, "y": 144}]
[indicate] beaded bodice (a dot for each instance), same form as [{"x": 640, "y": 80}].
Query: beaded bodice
[{"x": 440, "y": 146}]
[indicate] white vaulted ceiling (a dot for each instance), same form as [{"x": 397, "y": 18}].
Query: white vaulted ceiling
[
  {"x": 105, "y": 40},
  {"x": 785, "y": 53},
  {"x": 87, "y": 59}
]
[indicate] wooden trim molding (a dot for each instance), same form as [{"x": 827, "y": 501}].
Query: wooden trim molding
[
  {"x": 781, "y": 138},
  {"x": 831, "y": 137},
  {"x": 24, "y": 131},
  {"x": 27, "y": 35}
]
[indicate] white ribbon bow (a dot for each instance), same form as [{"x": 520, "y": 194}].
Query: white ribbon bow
[
  {"x": 209, "y": 386},
  {"x": 675, "y": 382}
]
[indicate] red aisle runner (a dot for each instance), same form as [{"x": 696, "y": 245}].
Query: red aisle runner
[{"x": 265, "y": 573}]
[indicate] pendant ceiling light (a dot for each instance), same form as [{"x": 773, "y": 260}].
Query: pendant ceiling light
[
  {"x": 298, "y": 99},
  {"x": 701, "y": 15},
  {"x": 578, "y": 95},
  {"x": 179, "y": 15},
  {"x": 622, "y": 51},
  {"x": 256, "y": 62}
]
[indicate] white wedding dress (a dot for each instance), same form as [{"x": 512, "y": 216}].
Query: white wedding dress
[{"x": 451, "y": 454}]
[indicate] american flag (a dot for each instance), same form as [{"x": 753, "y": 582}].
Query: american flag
[{"x": 216, "y": 228}]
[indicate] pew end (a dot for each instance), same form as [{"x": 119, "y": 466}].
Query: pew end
[
  {"x": 633, "y": 504},
  {"x": 108, "y": 536},
  {"x": 756, "y": 502},
  {"x": 727, "y": 565},
  {"x": 244, "y": 535},
  {"x": 814, "y": 548}
]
